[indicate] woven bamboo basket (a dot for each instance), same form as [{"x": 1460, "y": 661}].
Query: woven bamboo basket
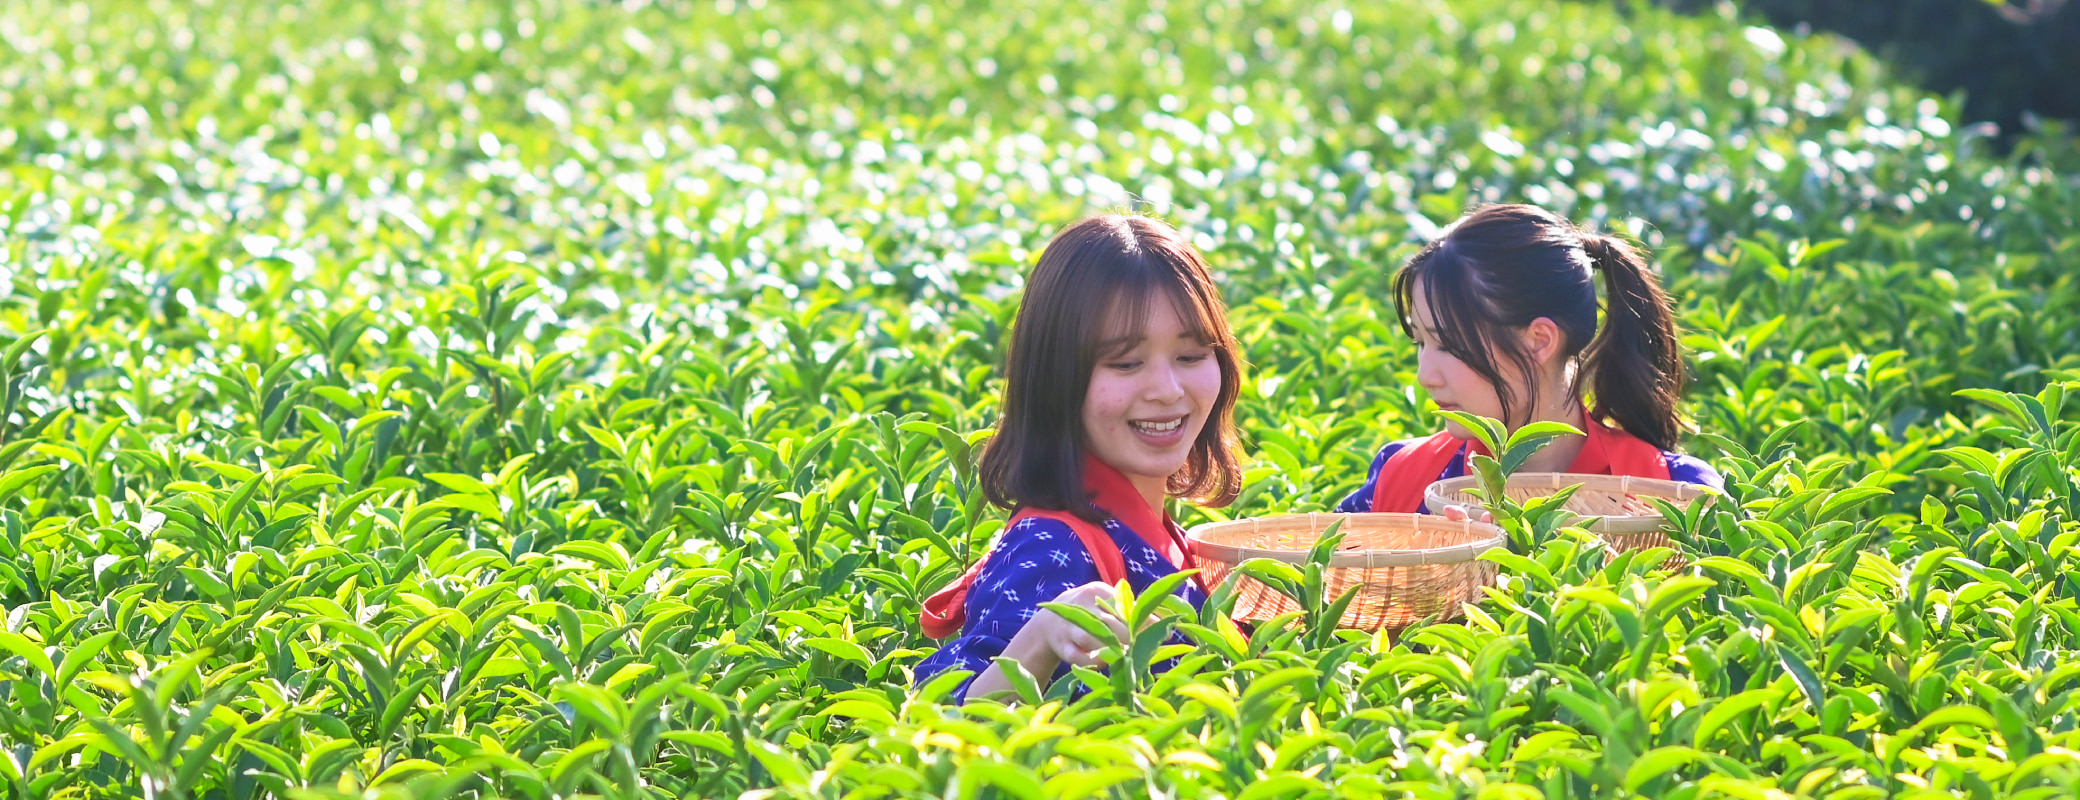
[
  {"x": 1410, "y": 566},
  {"x": 1629, "y": 521}
]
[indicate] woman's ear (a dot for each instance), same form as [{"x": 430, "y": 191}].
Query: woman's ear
[{"x": 1544, "y": 340}]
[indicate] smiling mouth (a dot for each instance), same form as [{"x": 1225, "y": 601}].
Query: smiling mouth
[{"x": 1157, "y": 427}]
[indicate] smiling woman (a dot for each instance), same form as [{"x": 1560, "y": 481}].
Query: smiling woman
[
  {"x": 1118, "y": 266},
  {"x": 1105, "y": 415},
  {"x": 1148, "y": 398}
]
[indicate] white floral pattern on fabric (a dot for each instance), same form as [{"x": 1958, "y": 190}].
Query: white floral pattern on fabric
[{"x": 1034, "y": 562}]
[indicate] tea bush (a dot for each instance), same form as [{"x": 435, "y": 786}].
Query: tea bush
[{"x": 558, "y": 398}]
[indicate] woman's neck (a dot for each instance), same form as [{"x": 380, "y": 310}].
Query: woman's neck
[
  {"x": 1152, "y": 490},
  {"x": 1559, "y": 453}
]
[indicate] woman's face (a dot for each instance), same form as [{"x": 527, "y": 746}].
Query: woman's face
[
  {"x": 1452, "y": 384},
  {"x": 1149, "y": 398}
]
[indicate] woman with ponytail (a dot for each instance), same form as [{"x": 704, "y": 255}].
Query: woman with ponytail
[{"x": 1503, "y": 311}]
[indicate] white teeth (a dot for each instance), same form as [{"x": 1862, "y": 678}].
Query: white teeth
[{"x": 1159, "y": 427}]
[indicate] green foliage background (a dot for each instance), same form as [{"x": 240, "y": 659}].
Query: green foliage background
[{"x": 546, "y": 399}]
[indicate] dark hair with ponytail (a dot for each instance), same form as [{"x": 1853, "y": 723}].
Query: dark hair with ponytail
[{"x": 1500, "y": 267}]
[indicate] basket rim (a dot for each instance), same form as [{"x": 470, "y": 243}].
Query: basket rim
[
  {"x": 1675, "y": 491},
  {"x": 1463, "y": 553}
]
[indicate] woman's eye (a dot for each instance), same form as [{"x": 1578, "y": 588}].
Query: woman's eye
[
  {"x": 1124, "y": 366},
  {"x": 1194, "y": 358}
]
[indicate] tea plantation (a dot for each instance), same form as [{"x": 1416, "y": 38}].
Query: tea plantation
[{"x": 563, "y": 398}]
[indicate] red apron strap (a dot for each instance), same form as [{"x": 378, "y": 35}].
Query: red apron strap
[
  {"x": 946, "y": 611},
  {"x": 1411, "y": 470}
]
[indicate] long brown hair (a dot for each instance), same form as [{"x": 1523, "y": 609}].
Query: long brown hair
[
  {"x": 1502, "y": 266},
  {"x": 1091, "y": 270}
]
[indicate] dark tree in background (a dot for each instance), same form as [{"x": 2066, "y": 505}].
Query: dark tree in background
[{"x": 2010, "y": 58}]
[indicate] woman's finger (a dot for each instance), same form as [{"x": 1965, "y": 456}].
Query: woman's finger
[
  {"x": 1454, "y": 513},
  {"x": 1119, "y": 628},
  {"x": 1081, "y": 650}
]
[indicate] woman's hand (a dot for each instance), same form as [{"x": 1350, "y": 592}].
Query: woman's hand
[
  {"x": 1048, "y": 640},
  {"x": 1063, "y": 639},
  {"x": 1460, "y": 513}
]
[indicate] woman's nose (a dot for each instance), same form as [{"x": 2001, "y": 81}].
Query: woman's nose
[
  {"x": 1429, "y": 373},
  {"x": 1164, "y": 385}
]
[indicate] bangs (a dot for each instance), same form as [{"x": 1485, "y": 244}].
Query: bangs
[
  {"x": 1125, "y": 313},
  {"x": 1456, "y": 311},
  {"x": 1458, "y": 322}
]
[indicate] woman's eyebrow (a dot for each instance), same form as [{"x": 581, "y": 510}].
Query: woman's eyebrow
[{"x": 1118, "y": 343}]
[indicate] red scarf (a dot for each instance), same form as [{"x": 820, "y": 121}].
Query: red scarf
[
  {"x": 945, "y": 612},
  {"x": 1114, "y": 494},
  {"x": 1411, "y": 470}
]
